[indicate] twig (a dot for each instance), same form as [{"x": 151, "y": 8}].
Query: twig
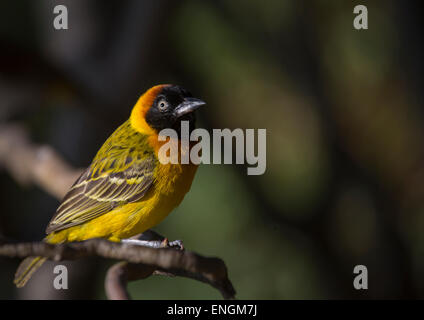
[
  {"x": 176, "y": 262},
  {"x": 118, "y": 275},
  {"x": 30, "y": 163}
]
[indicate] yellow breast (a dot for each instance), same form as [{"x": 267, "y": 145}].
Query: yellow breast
[{"x": 172, "y": 182}]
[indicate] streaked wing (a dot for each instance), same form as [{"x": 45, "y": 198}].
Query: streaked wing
[{"x": 107, "y": 183}]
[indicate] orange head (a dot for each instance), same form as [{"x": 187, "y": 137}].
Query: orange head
[{"x": 164, "y": 106}]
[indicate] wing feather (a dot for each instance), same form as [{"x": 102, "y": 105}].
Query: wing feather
[{"x": 121, "y": 178}]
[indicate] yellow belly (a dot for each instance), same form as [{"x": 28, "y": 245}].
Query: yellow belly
[{"x": 171, "y": 184}]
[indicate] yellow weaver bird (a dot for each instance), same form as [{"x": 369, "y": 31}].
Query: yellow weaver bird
[{"x": 125, "y": 190}]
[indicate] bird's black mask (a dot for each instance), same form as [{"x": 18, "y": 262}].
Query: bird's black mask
[{"x": 171, "y": 106}]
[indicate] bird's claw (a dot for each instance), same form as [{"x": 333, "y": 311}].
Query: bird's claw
[{"x": 176, "y": 244}]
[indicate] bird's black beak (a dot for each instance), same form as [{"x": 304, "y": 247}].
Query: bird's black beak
[{"x": 187, "y": 106}]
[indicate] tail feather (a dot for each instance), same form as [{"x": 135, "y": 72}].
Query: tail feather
[{"x": 26, "y": 269}]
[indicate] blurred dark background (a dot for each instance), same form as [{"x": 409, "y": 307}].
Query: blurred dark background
[{"x": 344, "y": 183}]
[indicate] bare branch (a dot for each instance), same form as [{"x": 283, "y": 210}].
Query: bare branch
[
  {"x": 118, "y": 276},
  {"x": 30, "y": 163},
  {"x": 176, "y": 262}
]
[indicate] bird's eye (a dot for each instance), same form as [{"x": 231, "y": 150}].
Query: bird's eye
[{"x": 163, "y": 105}]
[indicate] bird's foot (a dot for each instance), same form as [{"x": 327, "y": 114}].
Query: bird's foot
[
  {"x": 176, "y": 244},
  {"x": 165, "y": 243},
  {"x": 144, "y": 243}
]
